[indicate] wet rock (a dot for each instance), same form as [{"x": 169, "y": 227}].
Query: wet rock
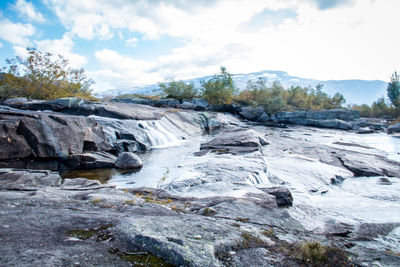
[
  {"x": 365, "y": 131},
  {"x": 394, "y": 129},
  {"x": 97, "y": 160},
  {"x": 283, "y": 196},
  {"x": 263, "y": 141},
  {"x": 337, "y": 180},
  {"x": 128, "y": 160},
  {"x": 384, "y": 181}
]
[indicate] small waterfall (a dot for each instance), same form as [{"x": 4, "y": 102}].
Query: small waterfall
[{"x": 161, "y": 133}]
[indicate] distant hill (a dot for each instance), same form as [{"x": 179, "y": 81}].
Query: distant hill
[{"x": 355, "y": 91}]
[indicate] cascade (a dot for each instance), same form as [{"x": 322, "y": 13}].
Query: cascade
[{"x": 161, "y": 133}]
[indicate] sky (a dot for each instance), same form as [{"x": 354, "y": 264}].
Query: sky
[{"x": 125, "y": 43}]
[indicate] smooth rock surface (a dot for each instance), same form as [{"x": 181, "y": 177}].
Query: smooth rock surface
[{"x": 128, "y": 160}]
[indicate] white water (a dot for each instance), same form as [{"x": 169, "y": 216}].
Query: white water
[{"x": 161, "y": 133}]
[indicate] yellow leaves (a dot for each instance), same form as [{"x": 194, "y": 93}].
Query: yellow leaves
[{"x": 46, "y": 77}]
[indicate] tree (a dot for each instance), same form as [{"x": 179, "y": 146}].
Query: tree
[
  {"x": 43, "y": 76},
  {"x": 178, "y": 90},
  {"x": 220, "y": 89},
  {"x": 393, "y": 90}
]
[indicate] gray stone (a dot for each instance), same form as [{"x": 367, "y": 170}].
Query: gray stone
[
  {"x": 235, "y": 140},
  {"x": 15, "y": 102},
  {"x": 12, "y": 179},
  {"x": 394, "y": 129},
  {"x": 283, "y": 196},
  {"x": 96, "y": 160},
  {"x": 128, "y": 160},
  {"x": 370, "y": 165}
]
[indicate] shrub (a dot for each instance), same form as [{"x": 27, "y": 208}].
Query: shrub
[
  {"x": 178, "y": 90},
  {"x": 276, "y": 98},
  {"x": 43, "y": 76},
  {"x": 220, "y": 89}
]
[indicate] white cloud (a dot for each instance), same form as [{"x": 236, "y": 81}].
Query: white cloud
[
  {"x": 26, "y": 9},
  {"x": 62, "y": 47},
  {"x": 132, "y": 42},
  {"x": 1, "y": 45},
  {"x": 16, "y": 33},
  {"x": 311, "y": 38}
]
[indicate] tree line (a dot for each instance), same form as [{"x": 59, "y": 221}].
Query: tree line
[
  {"x": 45, "y": 76},
  {"x": 221, "y": 89},
  {"x": 381, "y": 108}
]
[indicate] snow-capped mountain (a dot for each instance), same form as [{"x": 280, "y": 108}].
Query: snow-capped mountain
[{"x": 354, "y": 91}]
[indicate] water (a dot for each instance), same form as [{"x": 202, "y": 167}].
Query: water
[
  {"x": 160, "y": 159},
  {"x": 384, "y": 142}
]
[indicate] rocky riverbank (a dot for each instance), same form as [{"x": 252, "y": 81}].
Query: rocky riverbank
[{"x": 248, "y": 195}]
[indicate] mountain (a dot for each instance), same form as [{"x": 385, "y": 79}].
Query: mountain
[{"x": 354, "y": 91}]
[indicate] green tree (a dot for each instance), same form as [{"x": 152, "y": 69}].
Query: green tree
[
  {"x": 178, "y": 90},
  {"x": 220, "y": 89},
  {"x": 43, "y": 76},
  {"x": 393, "y": 90}
]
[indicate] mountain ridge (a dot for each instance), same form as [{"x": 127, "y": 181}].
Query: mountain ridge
[{"x": 355, "y": 91}]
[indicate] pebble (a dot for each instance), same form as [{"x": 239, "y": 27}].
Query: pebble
[{"x": 197, "y": 237}]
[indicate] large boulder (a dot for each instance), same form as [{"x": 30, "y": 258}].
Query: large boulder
[
  {"x": 128, "y": 160},
  {"x": 41, "y": 137},
  {"x": 235, "y": 140}
]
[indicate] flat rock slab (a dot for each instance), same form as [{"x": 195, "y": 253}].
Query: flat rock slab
[
  {"x": 370, "y": 165},
  {"x": 185, "y": 240},
  {"x": 235, "y": 141},
  {"x": 28, "y": 180}
]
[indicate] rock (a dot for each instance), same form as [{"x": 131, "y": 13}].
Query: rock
[
  {"x": 394, "y": 128},
  {"x": 13, "y": 145},
  {"x": 96, "y": 160},
  {"x": 263, "y": 141},
  {"x": 49, "y": 135},
  {"x": 337, "y": 180},
  {"x": 230, "y": 108},
  {"x": 384, "y": 181},
  {"x": 11, "y": 179},
  {"x": 167, "y": 102},
  {"x": 201, "y": 237},
  {"x": 128, "y": 160},
  {"x": 254, "y": 257},
  {"x": 254, "y": 113},
  {"x": 134, "y": 100},
  {"x": 200, "y": 103},
  {"x": 66, "y": 102},
  {"x": 370, "y": 165},
  {"x": 283, "y": 196},
  {"x": 15, "y": 102},
  {"x": 235, "y": 141},
  {"x": 365, "y": 131}
]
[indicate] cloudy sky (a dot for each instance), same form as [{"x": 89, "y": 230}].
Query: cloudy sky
[{"x": 123, "y": 43}]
